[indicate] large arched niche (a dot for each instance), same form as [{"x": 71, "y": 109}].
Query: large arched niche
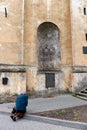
[{"x": 48, "y": 37}]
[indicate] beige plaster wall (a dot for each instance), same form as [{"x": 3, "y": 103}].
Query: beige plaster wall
[
  {"x": 39, "y": 11},
  {"x": 79, "y": 29},
  {"x": 18, "y": 37},
  {"x": 10, "y": 32},
  {"x": 16, "y": 82}
]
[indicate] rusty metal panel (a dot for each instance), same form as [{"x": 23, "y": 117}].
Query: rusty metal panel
[
  {"x": 84, "y": 50},
  {"x": 50, "y": 80}
]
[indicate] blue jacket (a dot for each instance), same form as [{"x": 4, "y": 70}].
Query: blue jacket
[{"x": 22, "y": 102}]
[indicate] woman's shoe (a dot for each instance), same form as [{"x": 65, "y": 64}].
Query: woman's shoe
[
  {"x": 11, "y": 117},
  {"x": 14, "y": 118}
]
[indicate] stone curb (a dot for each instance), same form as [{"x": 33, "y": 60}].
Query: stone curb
[
  {"x": 4, "y": 113},
  {"x": 72, "y": 124},
  {"x": 65, "y": 123}
]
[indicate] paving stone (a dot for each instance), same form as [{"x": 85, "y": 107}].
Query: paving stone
[{"x": 7, "y": 124}]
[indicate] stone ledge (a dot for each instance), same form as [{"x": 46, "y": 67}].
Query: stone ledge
[
  {"x": 79, "y": 69},
  {"x": 48, "y": 71},
  {"x": 12, "y": 68},
  {"x": 57, "y": 122}
]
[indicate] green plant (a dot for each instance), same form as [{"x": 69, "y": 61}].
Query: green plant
[
  {"x": 75, "y": 116},
  {"x": 61, "y": 112}
]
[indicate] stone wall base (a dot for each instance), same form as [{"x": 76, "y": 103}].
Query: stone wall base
[
  {"x": 18, "y": 79},
  {"x": 79, "y": 78},
  {"x": 12, "y": 79}
]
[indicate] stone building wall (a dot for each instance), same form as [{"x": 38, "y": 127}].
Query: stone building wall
[
  {"x": 78, "y": 30},
  {"x": 20, "y": 43},
  {"x": 58, "y": 13},
  {"x": 16, "y": 82},
  {"x": 79, "y": 43},
  {"x": 10, "y": 32},
  {"x": 47, "y": 12},
  {"x": 11, "y": 47}
]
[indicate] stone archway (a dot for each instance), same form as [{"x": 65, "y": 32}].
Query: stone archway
[{"x": 49, "y": 56}]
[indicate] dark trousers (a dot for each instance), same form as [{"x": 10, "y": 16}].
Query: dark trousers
[{"x": 18, "y": 113}]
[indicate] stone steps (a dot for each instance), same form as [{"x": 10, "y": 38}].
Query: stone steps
[
  {"x": 81, "y": 97},
  {"x": 84, "y": 91},
  {"x": 82, "y": 94}
]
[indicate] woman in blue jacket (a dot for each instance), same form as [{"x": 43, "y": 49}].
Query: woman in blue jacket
[{"x": 20, "y": 107}]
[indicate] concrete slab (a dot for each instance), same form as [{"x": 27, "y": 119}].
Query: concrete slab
[
  {"x": 46, "y": 104},
  {"x": 7, "y": 124},
  {"x": 43, "y": 104}
]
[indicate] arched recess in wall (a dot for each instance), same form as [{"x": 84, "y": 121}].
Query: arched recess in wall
[{"x": 49, "y": 56}]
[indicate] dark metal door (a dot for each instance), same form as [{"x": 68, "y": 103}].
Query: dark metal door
[{"x": 50, "y": 80}]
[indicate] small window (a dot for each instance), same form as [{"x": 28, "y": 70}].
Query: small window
[
  {"x": 50, "y": 80},
  {"x": 84, "y": 50},
  {"x": 86, "y": 36},
  {"x": 84, "y": 11},
  {"x": 4, "y": 80}
]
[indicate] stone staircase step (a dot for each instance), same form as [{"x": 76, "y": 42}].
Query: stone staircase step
[
  {"x": 81, "y": 97},
  {"x": 82, "y": 94},
  {"x": 85, "y": 91}
]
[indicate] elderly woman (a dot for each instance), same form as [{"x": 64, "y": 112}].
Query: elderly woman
[{"x": 20, "y": 107}]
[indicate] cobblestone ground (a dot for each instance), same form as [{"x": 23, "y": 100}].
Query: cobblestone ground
[{"x": 7, "y": 124}]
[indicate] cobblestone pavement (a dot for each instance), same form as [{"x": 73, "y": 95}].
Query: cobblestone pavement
[{"x": 7, "y": 124}]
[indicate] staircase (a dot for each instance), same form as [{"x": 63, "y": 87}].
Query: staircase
[{"x": 82, "y": 94}]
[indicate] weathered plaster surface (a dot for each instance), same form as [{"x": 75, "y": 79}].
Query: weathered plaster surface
[
  {"x": 19, "y": 41},
  {"x": 16, "y": 82}
]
